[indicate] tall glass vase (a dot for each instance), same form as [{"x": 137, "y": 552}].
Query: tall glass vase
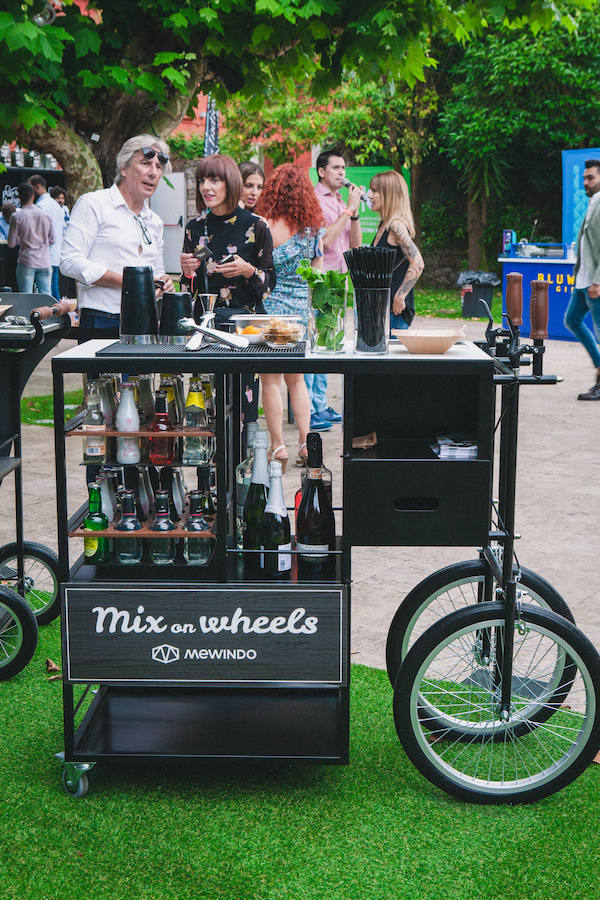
[{"x": 326, "y": 320}]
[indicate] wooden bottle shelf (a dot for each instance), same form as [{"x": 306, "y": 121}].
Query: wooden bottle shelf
[
  {"x": 110, "y": 432},
  {"x": 146, "y": 532}
]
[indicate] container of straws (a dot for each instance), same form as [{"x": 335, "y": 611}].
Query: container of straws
[{"x": 371, "y": 271}]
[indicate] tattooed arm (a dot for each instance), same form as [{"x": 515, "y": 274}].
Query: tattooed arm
[{"x": 400, "y": 236}]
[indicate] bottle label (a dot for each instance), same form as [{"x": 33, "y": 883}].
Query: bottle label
[
  {"x": 90, "y": 546},
  {"x": 312, "y": 551},
  {"x": 95, "y": 442},
  {"x": 284, "y": 560}
]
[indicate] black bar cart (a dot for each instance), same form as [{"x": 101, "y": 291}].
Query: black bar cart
[{"x": 28, "y": 571}]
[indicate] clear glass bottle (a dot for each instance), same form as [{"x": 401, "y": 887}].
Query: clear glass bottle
[
  {"x": 93, "y": 424},
  {"x": 96, "y": 549},
  {"x": 162, "y": 550},
  {"x": 128, "y": 551},
  {"x": 161, "y": 448},
  {"x": 127, "y": 419},
  {"x": 275, "y": 534},
  {"x": 108, "y": 408},
  {"x": 167, "y": 483},
  {"x": 256, "y": 499},
  {"x": 243, "y": 476},
  {"x": 145, "y": 492},
  {"x": 103, "y": 479},
  {"x": 209, "y": 401},
  {"x": 197, "y": 550},
  {"x": 196, "y": 450}
]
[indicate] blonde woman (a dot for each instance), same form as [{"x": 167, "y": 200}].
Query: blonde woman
[{"x": 388, "y": 194}]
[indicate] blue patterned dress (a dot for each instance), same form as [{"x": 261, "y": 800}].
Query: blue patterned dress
[{"x": 289, "y": 297}]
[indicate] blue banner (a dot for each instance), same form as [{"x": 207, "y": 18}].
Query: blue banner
[{"x": 575, "y": 200}]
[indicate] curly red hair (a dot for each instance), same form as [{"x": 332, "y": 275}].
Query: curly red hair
[{"x": 289, "y": 195}]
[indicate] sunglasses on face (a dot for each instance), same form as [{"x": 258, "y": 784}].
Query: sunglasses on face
[{"x": 150, "y": 153}]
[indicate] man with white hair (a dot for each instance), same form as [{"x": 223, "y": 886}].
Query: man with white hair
[{"x": 113, "y": 228}]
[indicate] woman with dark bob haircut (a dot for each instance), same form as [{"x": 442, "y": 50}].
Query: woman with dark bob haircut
[{"x": 240, "y": 267}]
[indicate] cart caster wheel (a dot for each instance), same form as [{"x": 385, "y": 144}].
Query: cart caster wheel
[{"x": 75, "y": 785}]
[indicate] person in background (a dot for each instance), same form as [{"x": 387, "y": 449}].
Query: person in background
[
  {"x": 51, "y": 208},
  {"x": 253, "y": 179},
  {"x": 240, "y": 267},
  {"x": 342, "y": 232},
  {"x": 33, "y": 231},
  {"x": 388, "y": 194},
  {"x": 586, "y": 292},
  {"x": 5, "y": 213},
  {"x": 112, "y": 228},
  {"x": 57, "y": 193},
  {"x": 290, "y": 207}
]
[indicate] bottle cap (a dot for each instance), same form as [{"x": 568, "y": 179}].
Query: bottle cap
[
  {"x": 261, "y": 439},
  {"x": 315, "y": 450}
]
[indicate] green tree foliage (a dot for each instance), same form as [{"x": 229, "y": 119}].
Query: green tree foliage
[
  {"x": 81, "y": 85},
  {"x": 516, "y": 100}
]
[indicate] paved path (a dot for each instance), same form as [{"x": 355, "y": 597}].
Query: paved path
[{"x": 558, "y": 499}]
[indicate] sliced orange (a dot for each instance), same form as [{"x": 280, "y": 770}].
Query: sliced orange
[{"x": 251, "y": 329}]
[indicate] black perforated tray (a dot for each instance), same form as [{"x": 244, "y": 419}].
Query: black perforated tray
[{"x": 119, "y": 349}]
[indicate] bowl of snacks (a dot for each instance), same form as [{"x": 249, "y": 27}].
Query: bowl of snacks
[
  {"x": 283, "y": 332},
  {"x": 250, "y": 326}
]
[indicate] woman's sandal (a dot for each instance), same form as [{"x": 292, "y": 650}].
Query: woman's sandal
[
  {"x": 301, "y": 457},
  {"x": 275, "y": 454}
]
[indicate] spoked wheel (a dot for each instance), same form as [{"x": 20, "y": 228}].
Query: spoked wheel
[
  {"x": 18, "y": 633},
  {"x": 41, "y": 578},
  {"x": 456, "y": 587},
  {"x": 444, "y": 684}
]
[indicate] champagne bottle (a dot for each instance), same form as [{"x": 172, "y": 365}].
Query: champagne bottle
[
  {"x": 243, "y": 475},
  {"x": 197, "y": 550},
  {"x": 162, "y": 449},
  {"x": 96, "y": 549},
  {"x": 256, "y": 499},
  {"x": 162, "y": 550},
  {"x": 128, "y": 551},
  {"x": 94, "y": 427},
  {"x": 315, "y": 524},
  {"x": 275, "y": 535}
]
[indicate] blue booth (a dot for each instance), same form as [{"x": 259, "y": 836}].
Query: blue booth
[{"x": 554, "y": 263}]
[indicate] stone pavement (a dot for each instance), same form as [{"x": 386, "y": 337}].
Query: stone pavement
[{"x": 558, "y": 498}]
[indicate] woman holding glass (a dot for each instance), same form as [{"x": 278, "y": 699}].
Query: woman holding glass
[
  {"x": 239, "y": 267},
  {"x": 294, "y": 217},
  {"x": 388, "y": 195}
]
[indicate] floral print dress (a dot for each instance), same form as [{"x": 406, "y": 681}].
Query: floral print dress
[{"x": 290, "y": 294}]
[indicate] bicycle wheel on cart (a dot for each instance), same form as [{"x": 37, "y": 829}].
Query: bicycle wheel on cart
[
  {"x": 41, "y": 578},
  {"x": 444, "y": 680},
  {"x": 18, "y": 633},
  {"x": 456, "y": 587}
]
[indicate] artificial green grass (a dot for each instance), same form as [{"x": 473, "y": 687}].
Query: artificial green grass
[
  {"x": 40, "y": 410},
  {"x": 375, "y": 830}
]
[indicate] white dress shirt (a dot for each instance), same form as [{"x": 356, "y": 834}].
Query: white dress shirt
[
  {"x": 104, "y": 233},
  {"x": 54, "y": 210}
]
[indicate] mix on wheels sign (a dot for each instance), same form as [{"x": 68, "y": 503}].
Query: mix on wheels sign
[{"x": 121, "y": 634}]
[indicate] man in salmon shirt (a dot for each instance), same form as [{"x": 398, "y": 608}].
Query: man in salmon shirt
[{"x": 342, "y": 232}]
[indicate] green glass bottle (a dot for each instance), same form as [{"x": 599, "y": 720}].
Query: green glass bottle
[{"x": 96, "y": 549}]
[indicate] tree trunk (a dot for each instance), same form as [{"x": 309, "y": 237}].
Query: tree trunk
[
  {"x": 416, "y": 197},
  {"x": 476, "y": 222},
  {"x": 74, "y": 155}
]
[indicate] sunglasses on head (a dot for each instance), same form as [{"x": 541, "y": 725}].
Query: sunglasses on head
[{"x": 150, "y": 153}]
